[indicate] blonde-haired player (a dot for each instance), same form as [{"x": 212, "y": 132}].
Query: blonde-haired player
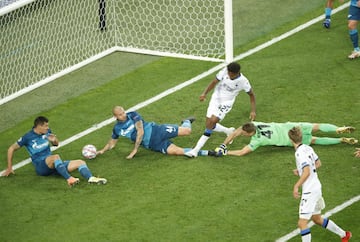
[{"x": 312, "y": 202}]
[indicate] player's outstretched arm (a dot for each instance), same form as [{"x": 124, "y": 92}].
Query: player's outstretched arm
[
  {"x": 111, "y": 144},
  {"x": 252, "y": 105},
  {"x": 242, "y": 152},
  {"x": 211, "y": 86},
  {"x": 9, "y": 170},
  {"x": 232, "y": 136},
  {"x": 139, "y": 136}
]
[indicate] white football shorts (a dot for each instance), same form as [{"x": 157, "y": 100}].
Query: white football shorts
[
  {"x": 219, "y": 109},
  {"x": 311, "y": 204}
]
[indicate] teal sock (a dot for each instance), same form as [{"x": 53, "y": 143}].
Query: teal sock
[
  {"x": 328, "y": 13},
  {"x": 203, "y": 153},
  {"x": 354, "y": 36},
  {"x": 85, "y": 172},
  {"x": 61, "y": 169},
  {"x": 187, "y": 150},
  {"x": 327, "y": 141},
  {"x": 186, "y": 124},
  {"x": 328, "y": 127}
]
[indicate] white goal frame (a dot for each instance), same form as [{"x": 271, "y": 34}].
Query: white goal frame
[{"x": 228, "y": 46}]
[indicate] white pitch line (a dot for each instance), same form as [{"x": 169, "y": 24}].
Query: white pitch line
[{"x": 296, "y": 232}]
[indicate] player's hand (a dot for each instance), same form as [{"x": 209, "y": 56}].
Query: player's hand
[
  {"x": 7, "y": 172},
  {"x": 100, "y": 152},
  {"x": 357, "y": 152},
  {"x": 51, "y": 137},
  {"x": 296, "y": 172},
  {"x": 202, "y": 97},
  {"x": 296, "y": 192},
  {"x": 131, "y": 155},
  {"x": 252, "y": 116}
]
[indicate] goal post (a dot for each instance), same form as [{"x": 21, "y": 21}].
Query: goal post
[{"x": 45, "y": 39}]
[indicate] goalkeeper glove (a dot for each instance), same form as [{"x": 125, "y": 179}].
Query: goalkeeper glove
[{"x": 221, "y": 150}]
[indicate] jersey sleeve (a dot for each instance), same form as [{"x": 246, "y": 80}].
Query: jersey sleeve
[
  {"x": 21, "y": 141},
  {"x": 221, "y": 74},
  {"x": 246, "y": 84},
  {"x": 254, "y": 144},
  {"x": 114, "y": 134},
  {"x": 135, "y": 116}
]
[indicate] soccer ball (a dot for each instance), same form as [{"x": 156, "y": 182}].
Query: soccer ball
[{"x": 89, "y": 151}]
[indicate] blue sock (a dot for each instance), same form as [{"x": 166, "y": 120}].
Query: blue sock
[
  {"x": 325, "y": 222},
  {"x": 186, "y": 124},
  {"x": 208, "y": 132},
  {"x": 203, "y": 153},
  {"x": 61, "y": 169},
  {"x": 354, "y": 36},
  {"x": 85, "y": 172},
  {"x": 328, "y": 13}
]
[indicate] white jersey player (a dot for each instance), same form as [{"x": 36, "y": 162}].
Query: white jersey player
[
  {"x": 228, "y": 83},
  {"x": 311, "y": 202}
]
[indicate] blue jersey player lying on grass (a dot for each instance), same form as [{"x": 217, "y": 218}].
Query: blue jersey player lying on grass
[
  {"x": 37, "y": 142},
  {"x": 150, "y": 135}
]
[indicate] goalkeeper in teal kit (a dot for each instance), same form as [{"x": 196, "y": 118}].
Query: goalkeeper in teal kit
[{"x": 263, "y": 134}]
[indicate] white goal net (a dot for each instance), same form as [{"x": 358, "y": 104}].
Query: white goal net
[{"x": 44, "y": 39}]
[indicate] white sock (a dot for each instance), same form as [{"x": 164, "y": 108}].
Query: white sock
[
  {"x": 201, "y": 142},
  {"x": 221, "y": 128},
  {"x": 305, "y": 235},
  {"x": 306, "y": 238},
  {"x": 333, "y": 227}
]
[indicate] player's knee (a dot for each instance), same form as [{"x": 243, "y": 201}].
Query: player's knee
[
  {"x": 56, "y": 157},
  {"x": 184, "y": 131},
  {"x": 317, "y": 219},
  {"x": 77, "y": 163}
]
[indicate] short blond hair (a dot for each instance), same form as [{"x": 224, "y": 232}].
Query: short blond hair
[{"x": 295, "y": 135}]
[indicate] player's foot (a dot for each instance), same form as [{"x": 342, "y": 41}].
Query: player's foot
[
  {"x": 231, "y": 130},
  {"x": 191, "y": 154},
  {"x": 347, "y": 237},
  {"x": 350, "y": 141},
  {"x": 354, "y": 54},
  {"x": 97, "y": 180},
  {"x": 191, "y": 119},
  {"x": 327, "y": 23},
  {"x": 345, "y": 129},
  {"x": 72, "y": 181},
  {"x": 212, "y": 153}
]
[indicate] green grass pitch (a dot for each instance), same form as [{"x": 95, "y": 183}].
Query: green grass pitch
[{"x": 154, "y": 197}]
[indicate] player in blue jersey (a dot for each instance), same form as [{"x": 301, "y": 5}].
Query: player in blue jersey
[
  {"x": 353, "y": 20},
  {"x": 328, "y": 9},
  {"x": 312, "y": 202},
  {"x": 37, "y": 142},
  {"x": 150, "y": 135}
]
